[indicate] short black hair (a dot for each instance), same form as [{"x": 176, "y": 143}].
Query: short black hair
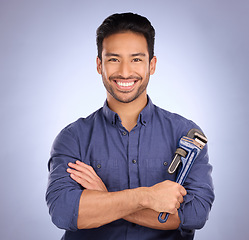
[{"x": 122, "y": 22}]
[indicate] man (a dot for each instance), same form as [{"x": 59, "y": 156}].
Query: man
[{"x": 108, "y": 172}]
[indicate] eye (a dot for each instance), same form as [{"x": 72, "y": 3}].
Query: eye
[
  {"x": 113, "y": 60},
  {"x": 137, "y": 60}
]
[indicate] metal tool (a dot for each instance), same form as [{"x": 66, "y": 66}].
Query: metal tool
[{"x": 189, "y": 148}]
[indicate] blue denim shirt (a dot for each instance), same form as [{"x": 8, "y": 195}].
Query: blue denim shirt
[{"x": 125, "y": 160}]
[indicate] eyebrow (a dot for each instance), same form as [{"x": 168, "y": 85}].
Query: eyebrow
[
  {"x": 118, "y": 55},
  {"x": 112, "y": 54},
  {"x": 138, "y": 55}
]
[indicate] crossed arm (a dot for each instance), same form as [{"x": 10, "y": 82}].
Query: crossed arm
[{"x": 141, "y": 205}]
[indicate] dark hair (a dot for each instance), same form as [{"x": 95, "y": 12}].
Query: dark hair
[{"x": 123, "y": 22}]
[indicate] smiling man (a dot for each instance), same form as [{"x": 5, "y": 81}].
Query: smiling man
[
  {"x": 108, "y": 174},
  {"x": 125, "y": 66}
]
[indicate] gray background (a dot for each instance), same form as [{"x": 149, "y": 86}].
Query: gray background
[{"x": 48, "y": 79}]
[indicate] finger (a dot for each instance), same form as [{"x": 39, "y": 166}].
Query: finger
[
  {"x": 96, "y": 181},
  {"x": 90, "y": 168},
  {"x": 80, "y": 175},
  {"x": 178, "y": 205},
  {"x": 83, "y": 169},
  {"x": 91, "y": 185},
  {"x": 173, "y": 211},
  {"x": 84, "y": 183},
  {"x": 183, "y": 191},
  {"x": 76, "y": 166},
  {"x": 180, "y": 199},
  {"x": 80, "y": 166}
]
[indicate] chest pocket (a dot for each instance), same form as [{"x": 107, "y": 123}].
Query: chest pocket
[
  {"x": 108, "y": 171},
  {"x": 157, "y": 171}
]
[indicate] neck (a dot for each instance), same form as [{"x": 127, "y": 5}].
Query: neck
[{"x": 128, "y": 112}]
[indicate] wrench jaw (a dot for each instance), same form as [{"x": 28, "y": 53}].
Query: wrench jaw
[
  {"x": 176, "y": 160},
  {"x": 193, "y": 143},
  {"x": 198, "y": 136},
  {"x": 195, "y": 137}
]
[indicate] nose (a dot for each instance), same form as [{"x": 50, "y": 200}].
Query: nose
[{"x": 125, "y": 69}]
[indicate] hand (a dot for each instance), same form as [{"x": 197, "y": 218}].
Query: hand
[
  {"x": 166, "y": 196},
  {"x": 86, "y": 176}
]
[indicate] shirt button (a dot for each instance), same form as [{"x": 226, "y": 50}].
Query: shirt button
[
  {"x": 99, "y": 166},
  {"x": 134, "y": 161},
  {"x": 124, "y": 133},
  {"x": 165, "y": 163}
]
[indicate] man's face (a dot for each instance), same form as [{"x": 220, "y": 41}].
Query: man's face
[{"x": 125, "y": 66}]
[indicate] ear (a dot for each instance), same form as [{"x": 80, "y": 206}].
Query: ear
[
  {"x": 153, "y": 62},
  {"x": 99, "y": 66}
]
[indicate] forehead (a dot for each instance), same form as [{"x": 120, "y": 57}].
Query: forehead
[{"x": 125, "y": 43}]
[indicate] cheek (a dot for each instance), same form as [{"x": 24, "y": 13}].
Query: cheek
[
  {"x": 107, "y": 70},
  {"x": 104, "y": 72},
  {"x": 143, "y": 70},
  {"x": 114, "y": 71}
]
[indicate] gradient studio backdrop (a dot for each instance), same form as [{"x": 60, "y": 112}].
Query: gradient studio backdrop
[{"x": 48, "y": 79}]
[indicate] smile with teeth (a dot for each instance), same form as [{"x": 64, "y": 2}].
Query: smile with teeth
[{"x": 125, "y": 84}]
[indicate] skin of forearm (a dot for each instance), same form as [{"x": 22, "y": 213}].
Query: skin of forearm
[
  {"x": 149, "y": 218},
  {"x": 97, "y": 208}
]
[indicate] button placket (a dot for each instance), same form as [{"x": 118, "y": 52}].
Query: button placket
[{"x": 133, "y": 158}]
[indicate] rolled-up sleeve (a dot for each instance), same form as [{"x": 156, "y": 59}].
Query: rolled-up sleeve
[
  {"x": 197, "y": 203},
  {"x": 63, "y": 193}
]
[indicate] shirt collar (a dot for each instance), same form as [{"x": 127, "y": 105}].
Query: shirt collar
[
  {"x": 146, "y": 113},
  {"x": 109, "y": 114},
  {"x": 144, "y": 116}
]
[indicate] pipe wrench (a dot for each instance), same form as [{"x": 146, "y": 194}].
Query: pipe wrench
[{"x": 189, "y": 148}]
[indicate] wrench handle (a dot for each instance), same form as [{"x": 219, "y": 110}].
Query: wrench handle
[{"x": 163, "y": 220}]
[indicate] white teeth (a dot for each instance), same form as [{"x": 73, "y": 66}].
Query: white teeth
[{"x": 125, "y": 84}]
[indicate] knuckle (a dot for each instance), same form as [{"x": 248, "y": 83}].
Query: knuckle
[{"x": 90, "y": 168}]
